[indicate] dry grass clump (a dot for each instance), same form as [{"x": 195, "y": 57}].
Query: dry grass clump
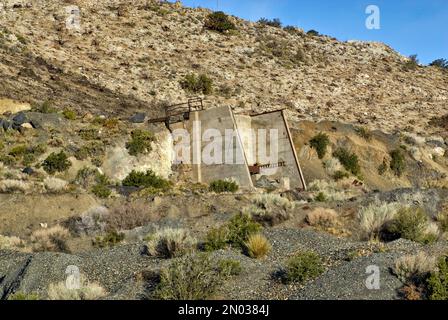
[
  {"x": 170, "y": 243},
  {"x": 55, "y": 184},
  {"x": 270, "y": 209},
  {"x": 87, "y": 291},
  {"x": 412, "y": 267},
  {"x": 257, "y": 246},
  {"x": 51, "y": 239},
  {"x": 374, "y": 217},
  {"x": 14, "y": 185},
  {"x": 10, "y": 243},
  {"x": 322, "y": 218}
]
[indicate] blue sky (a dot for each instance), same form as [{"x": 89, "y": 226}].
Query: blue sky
[{"x": 409, "y": 26}]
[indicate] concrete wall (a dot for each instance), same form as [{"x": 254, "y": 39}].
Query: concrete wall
[
  {"x": 285, "y": 148},
  {"x": 220, "y": 119},
  {"x": 245, "y": 147}
]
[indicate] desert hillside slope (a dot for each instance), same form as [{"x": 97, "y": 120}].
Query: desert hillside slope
[{"x": 131, "y": 55}]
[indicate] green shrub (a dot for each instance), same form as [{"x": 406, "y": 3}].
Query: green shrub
[
  {"x": 193, "y": 277},
  {"x": 140, "y": 142},
  {"x": 220, "y": 22},
  {"x": 320, "y": 197},
  {"x": 398, "y": 162},
  {"x": 348, "y": 160},
  {"x": 313, "y": 33},
  {"x": 220, "y": 186},
  {"x": 46, "y": 107},
  {"x": 412, "y": 63},
  {"x": 303, "y": 266},
  {"x": 146, "y": 180},
  {"x": 201, "y": 84},
  {"x": 240, "y": 228},
  {"x": 320, "y": 142},
  {"x": 276, "y": 23},
  {"x": 89, "y": 134},
  {"x": 339, "y": 175},
  {"x": 412, "y": 224},
  {"x": 364, "y": 133},
  {"x": 440, "y": 63},
  {"x": 101, "y": 189},
  {"x": 111, "y": 239},
  {"x": 236, "y": 233},
  {"x": 18, "y": 151},
  {"x": 230, "y": 267},
  {"x": 23, "y": 296},
  {"x": 7, "y": 160},
  {"x": 216, "y": 239},
  {"x": 56, "y": 162},
  {"x": 438, "y": 281},
  {"x": 69, "y": 114}
]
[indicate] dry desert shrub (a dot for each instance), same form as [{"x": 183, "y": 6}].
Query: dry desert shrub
[
  {"x": 257, "y": 246},
  {"x": 414, "y": 267},
  {"x": 412, "y": 292},
  {"x": 193, "y": 277},
  {"x": 330, "y": 190},
  {"x": 442, "y": 218},
  {"x": 374, "y": 217},
  {"x": 55, "y": 185},
  {"x": 51, "y": 239},
  {"x": 332, "y": 166},
  {"x": 270, "y": 209},
  {"x": 10, "y": 243},
  {"x": 170, "y": 243},
  {"x": 13, "y": 185},
  {"x": 91, "y": 222},
  {"x": 128, "y": 216},
  {"x": 322, "y": 217},
  {"x": 87, "y": 291}
]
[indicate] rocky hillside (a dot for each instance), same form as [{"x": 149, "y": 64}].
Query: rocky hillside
[
  {"x": 130, "y": 55},
  {"x": 85, "y": 186}
]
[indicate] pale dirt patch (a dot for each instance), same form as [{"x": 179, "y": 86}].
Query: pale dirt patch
[
  {"x": 19, "y": 213},
  {"x": 8, "y": 105}
]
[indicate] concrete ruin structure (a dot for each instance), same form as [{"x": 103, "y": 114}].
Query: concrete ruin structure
[{"x": 251, "y": 147}]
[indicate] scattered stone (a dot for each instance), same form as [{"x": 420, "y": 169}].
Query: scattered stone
[
  {"x": 5, "y": 124},
  {"x": 20, "y": 118},
  {"x": 138, "y": 118},
  {"x": 28, "y": 171},
  {"x": 27, "y": 125}
]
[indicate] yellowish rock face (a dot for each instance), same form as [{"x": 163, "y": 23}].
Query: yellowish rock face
[{"x": 8, "y": 105}]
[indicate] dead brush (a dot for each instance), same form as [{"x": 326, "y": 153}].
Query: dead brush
[
  {"x": 270, "y": 209},
  {"x": 52, "y": 239},
  {"x": 170, "y": 243}
]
